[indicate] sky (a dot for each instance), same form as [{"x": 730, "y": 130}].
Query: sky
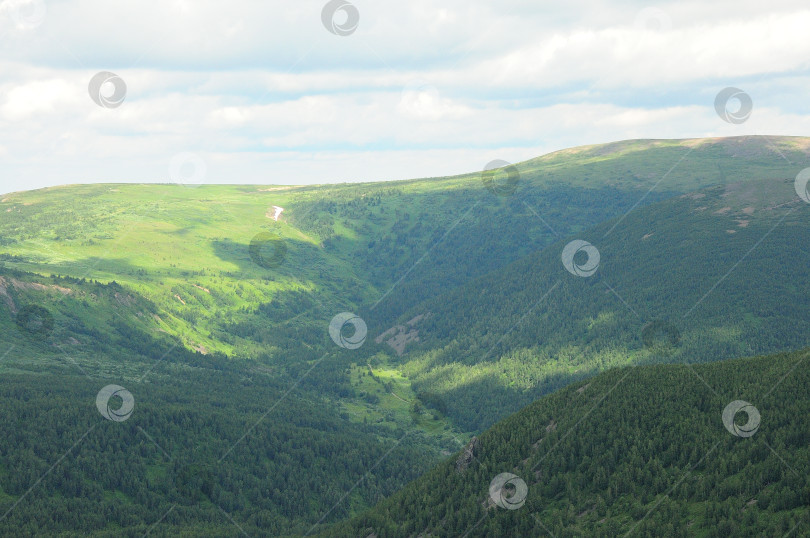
[{"x": 302, "y": 92}]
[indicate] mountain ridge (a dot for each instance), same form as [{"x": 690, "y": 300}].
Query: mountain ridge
[{"x": 181, "y": 295}]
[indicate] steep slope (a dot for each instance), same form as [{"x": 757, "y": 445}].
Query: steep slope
[
  {"x": 718, "y": 273},
  {"x": 638, "y": 451}
]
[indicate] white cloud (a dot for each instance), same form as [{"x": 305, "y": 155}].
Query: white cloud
[
  {"x": 36, "y": 98},
  {"x": 420, "y": 89}
]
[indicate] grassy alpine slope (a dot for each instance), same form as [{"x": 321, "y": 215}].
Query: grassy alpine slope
[
  {"x": 376, "y": 249},
  {"x": 186, "y": 296},
  {"x": 641, "y": 451},
  {"x": 187, "y": 249}
]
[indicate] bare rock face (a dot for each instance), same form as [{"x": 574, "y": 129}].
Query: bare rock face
[
  {"x": 399, "y": 336},
  {"x": 469, "y": 454}
]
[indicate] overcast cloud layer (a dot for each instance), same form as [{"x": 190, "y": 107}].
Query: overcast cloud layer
[{"x": 262, "y": 92}]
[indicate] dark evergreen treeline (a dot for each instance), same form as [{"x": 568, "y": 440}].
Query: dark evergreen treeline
[
  {"x": 641, "y": 449},
  {"x": 281, "y": 478},
  {"x": 190, "y": 408}
]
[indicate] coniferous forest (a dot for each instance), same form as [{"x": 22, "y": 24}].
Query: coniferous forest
[{"x": 173, "y": 368}]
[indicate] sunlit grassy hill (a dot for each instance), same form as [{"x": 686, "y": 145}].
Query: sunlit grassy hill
[{"x": 382, "y": 247}]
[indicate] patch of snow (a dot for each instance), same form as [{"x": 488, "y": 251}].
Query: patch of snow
[{"x": 276, "y": 212}]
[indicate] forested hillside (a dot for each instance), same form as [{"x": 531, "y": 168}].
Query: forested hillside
[
  {"x": 717, "y": 273},
  {"x": 284, "y": 358},
  {"x": 637, "y": 451},
  {"x": 207, "y": 433}
]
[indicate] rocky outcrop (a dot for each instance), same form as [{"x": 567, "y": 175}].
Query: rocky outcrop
[{"x": 468, "y": 455}]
